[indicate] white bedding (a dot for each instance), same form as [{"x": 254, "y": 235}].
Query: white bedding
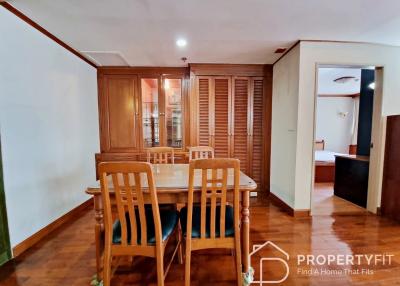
[{"x": 325, "y": 156}]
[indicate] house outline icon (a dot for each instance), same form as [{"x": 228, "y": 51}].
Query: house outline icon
[{"x": 258, "y": 247}]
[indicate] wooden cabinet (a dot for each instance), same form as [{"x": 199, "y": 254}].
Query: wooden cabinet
[
  {"x": 390, "y": 204},
  {"x": 228, "y": 109},
  {"x": 141, "y": 108},
  {"x": 230, "y": 115},
  {"x": 119, "y": 114}
]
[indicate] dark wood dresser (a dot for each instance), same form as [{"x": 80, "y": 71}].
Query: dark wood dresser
[{"x": 351, "y": 178}]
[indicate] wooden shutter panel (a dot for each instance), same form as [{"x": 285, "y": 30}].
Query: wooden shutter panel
[
  {"x": 203, "y": 85},
  {"x": 222, "y": 98},
  {"x": 257, "y": 132},
  {"x": 241, "y": 122}
]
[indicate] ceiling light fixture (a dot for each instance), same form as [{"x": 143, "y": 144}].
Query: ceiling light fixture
[
  {"x": 345, "y": 79},
  {"x": 181, "y": 43}
]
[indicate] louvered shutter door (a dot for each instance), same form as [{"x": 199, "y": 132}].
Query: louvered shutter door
[
  {"x": 204, "y": 110},
  {"x": 257, "y": 153},
  {"x": 222, "y": 97},
  {"x": 241, "y": 122}
]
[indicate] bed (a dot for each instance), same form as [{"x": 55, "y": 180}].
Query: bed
[{"x": 324, "y": 163}]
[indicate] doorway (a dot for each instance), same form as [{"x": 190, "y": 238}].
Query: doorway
[{"x": 343, "y": 126}]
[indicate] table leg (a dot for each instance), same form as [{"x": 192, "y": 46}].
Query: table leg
[
  {"x": 98, "y": 229},
  {"x": 245, "y": 226}
]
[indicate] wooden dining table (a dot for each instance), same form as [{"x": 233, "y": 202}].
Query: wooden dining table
[{"x": 172, "y": 181}]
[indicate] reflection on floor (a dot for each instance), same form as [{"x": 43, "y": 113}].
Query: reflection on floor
[
  {"x": 67, "y": 256},
  {"x": 326, "y": 203}
]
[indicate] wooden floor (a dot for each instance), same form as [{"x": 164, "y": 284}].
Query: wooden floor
[
  {"x": 67, "y": 256},
  {"x": 326, "y": 203}
]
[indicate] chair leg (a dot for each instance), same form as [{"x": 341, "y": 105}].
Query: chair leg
[
  {"x": 238, "y": 258},
  {"x": 180, "y": 248},
  {"x": 160, "y": 265},
  {"x": 107, "y": 266},
  {"x": 187, "y": 264}
]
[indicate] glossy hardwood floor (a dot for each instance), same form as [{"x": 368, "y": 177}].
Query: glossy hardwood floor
[
  {"x": 326, "y": 203},
  {"x": 66, "y": 257}
]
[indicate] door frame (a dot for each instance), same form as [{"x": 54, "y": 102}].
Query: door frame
[{"x": 378, "y": 137}]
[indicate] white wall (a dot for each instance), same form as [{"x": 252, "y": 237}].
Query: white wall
[
  {"x": 48, "y": 125},
  {"x": 330, "y": 53},
  {"x": 284, "y": 126},
  {"x": 335, "y": 129}
]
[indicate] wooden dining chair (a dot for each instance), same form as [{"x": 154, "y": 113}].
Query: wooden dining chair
[
  {"x": 212, "y": 223},
  {"x": 160, "y": 155},
  {"x": 139, "y": 229},
  {"x": 201, "y": 152}
]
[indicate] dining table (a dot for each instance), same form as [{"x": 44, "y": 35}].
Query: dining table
[{"x": 171, "y": 181}]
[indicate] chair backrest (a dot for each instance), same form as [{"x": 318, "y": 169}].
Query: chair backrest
[
  {"x": 201, "y": 152},
  {"x": 214, "y": 182},
  {"x": 126, "y": 180},
  {"x": 159, "y": 155}
]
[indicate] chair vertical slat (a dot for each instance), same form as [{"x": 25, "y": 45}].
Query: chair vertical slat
[
  {"x": 201, "y": 152},
  {"x": 131, "y": 208},
  {"x": 213, "y": 206},
  {"x": 159, "y": 155},
  {"x": 223, "y": 202},
  {"x": 121, "y": 209},
  {"x": 142, "y": 212},
  {"x": 203, "y": 204}
]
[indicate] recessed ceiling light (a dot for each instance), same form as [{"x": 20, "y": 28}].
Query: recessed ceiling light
[{"x": 181, "y": 42}]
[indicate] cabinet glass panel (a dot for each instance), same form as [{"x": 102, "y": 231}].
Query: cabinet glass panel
[
  {"x": 151, "y": 123},
  {"x": 173, "y": 112}
]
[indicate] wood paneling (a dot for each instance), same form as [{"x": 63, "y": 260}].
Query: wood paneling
[
  {"x": 222, "y": 125},
  {"x": 241, "y": 122},
  {"x": 229, "y": 109},
  {"x": 267, "y": 120},
  {"x": 203, "y": 84},
  {"x": 324, "y": 173},
  {"x": 390, "y": 204},
  {"x": 257, "y": 131},
  {"x": 121, "y": 122},
  {"x": 226, "y": 69},
  {"x": 236, "y": 112},
  {"x": 143, "y": 71},
  {"x": 120, "y": 108}
]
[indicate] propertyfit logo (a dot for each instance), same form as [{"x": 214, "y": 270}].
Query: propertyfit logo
[
  {"x": 309, "y": 264},
  {"x": 352, "y": 264},
  {"x": 283, "y": 260}
]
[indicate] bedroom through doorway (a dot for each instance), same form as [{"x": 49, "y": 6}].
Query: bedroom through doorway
[{"x": 343, "y": 127}]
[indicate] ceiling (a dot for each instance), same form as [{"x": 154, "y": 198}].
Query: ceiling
[
  {"x": 144, "y": 32},
  {"x": 327, "y": 84}
]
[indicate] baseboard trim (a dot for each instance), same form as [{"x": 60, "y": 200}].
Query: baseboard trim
[
  {"x": 38, "y": 236},
  {"x": 285, "y": 207}
]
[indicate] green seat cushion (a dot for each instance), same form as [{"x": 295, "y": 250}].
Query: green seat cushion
[
  {"x": 229, "y": 221},
  {"x": 169, "y": 220}
]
